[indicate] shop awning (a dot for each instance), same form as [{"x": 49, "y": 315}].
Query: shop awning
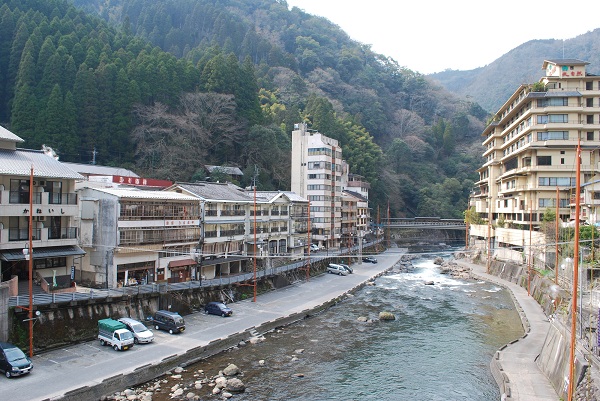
[
  {"x": 13, "y": 255},
  {"x": 181, "y": 263}
]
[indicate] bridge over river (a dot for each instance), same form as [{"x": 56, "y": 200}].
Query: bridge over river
[{"x": 433, "y": 223}]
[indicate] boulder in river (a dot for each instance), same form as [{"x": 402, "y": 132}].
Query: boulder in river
[{"x": 386, "y": 316}]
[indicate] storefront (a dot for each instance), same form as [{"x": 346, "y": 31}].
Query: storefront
[
  {"x": 181, "y": 270},
  {"x": 139, "y": 273}
]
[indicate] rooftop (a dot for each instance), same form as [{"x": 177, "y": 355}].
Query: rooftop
[
  {"x": 215, "y": 191},
  {"x": 20, "y": 161}
]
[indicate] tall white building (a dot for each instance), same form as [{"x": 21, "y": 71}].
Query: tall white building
[
  {"x": 317, "y": 170},
  {"x": 530, "y": 151}
]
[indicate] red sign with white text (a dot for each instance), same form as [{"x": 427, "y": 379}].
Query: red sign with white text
[{"x": 146, "y": 182}]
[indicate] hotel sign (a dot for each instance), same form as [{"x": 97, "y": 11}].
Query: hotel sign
[{"x": 146, "y": 182}]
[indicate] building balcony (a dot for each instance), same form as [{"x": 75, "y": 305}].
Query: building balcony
[
  {"x": 17, "y": 203},
  {"x": 42, "y": 237}
]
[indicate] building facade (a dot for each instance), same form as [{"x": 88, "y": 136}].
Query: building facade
[
  {"x": 530, "y": 152},
  {"x": 135, "y": 237},
  {"x": 317, "y": 169},
  {"x": 53, "y": 230}
]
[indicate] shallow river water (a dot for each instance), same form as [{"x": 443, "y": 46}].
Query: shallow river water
[{"x": 438, "y": 348}]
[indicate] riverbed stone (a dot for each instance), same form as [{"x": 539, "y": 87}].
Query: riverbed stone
[
  {"x": 220, "y": 382},
  {"x": 362, "y": 319},
  {"x": 235, "y": 385},
  {"x": 386, "y": 316},
  {"x": 231, "y": 370},
  {"x": 178, "y": 369},
  {"x": 261, "y": 362},
  {"x": 177, "y": 392}
]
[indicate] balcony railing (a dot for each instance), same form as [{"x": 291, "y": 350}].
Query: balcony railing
[
  {"x": 17, "y": 197},
  {"x": 22, "y": 234},
  {"x": 233, "y": 212},
  {"x": 62, "y": 233},
  {"x": 210, "y": 213}
]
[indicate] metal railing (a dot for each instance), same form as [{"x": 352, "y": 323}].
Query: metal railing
[{"x": 56, "y": 298}]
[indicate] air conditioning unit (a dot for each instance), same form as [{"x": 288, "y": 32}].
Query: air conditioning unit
[
  {"x": 39, "y": 218},
  {"x": 40, "y": 183}
]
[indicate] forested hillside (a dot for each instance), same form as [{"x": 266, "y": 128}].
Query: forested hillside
[
  {"x": 492, "y": 85},
  {"x": 166, "y": 86}
]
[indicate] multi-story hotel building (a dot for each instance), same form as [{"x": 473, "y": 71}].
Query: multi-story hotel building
[
  {"x": 134, "y": 236},
  {"x": 530, "y": 153},
  {"x": 317, "y": 170},
  {"x": 53, "y": 229}
]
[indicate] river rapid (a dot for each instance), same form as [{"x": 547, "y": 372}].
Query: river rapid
[{"x": 438, "y": 348}]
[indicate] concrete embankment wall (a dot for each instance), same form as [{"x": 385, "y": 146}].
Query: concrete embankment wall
[
  {"x": 149, "y": 372},
  {"x": 553, "y": 359}
]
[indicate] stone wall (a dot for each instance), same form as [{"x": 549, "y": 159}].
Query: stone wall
[{"x": 553, "y": 359}]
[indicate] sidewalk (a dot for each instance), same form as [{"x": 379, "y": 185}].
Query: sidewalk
[
  {"x": 517, "y": 359},
  {"x": 88, "y": 370}
]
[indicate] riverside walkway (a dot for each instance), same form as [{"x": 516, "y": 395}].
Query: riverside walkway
[
  {"x": 88, "y": 370},
  {"x": 527, "y": 381}
]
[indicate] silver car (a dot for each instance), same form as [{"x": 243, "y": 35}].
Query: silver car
[
  {"x": 141, "y": 334},
  {"x": 337, "y": 269}
]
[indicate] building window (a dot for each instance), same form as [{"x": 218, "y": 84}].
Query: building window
[
  {"x": 589, "y": 102},
  {"x": 590, "y": 119},
  {"x": 544, "y": 160},
  {"x": 552, "y": 118},
  {"x": 590, "y": 136},
  {"x": 556, "y": 181},
  {"x": 553, "y": 136},
  {"x": 553, "y": 101}
]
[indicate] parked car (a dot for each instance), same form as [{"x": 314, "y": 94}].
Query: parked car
[
  {"x": 217, "y": 308},
  {"x": 337, "y": 269},
  {"x": 314, "y": 247},
  {"x": 350, "y": 270},
  {"x": 141, "y": 334},
  {"x": 370, "y": 259},
  {"x": 13, "y": 361},
  {"x": 168, "y": 321},
  {"x": 115, "y": 334}
]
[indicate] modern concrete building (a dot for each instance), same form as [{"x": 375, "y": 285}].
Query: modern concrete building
[
  {"x": 53, "y": 230},
  {"x": 317, "y": 169},
  {"x": 530, "y": 156},
  {"x": 224, "y": 216},
  {"x": 137, "y": 236},
  {"x": 288, "y": 223}
]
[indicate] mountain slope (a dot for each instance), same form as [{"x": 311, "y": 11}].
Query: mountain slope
[
  {"x": 491, "y": 85},
  {"x": 166, "y": 86}
]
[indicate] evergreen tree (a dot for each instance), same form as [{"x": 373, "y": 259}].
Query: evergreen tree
[{"x": 24, "y": 113}]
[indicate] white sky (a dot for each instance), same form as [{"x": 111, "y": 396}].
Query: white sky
[{"x": 434, "y": 35}]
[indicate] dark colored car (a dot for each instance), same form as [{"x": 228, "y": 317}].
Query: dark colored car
[
  {"x": 217, "y": 308},
  {"x": 168, "y": 321},
  {"x": 13, "y": 361},
  {"x": 370, "y": 259}
]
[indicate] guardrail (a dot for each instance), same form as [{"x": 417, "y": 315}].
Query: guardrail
[{"x": 56, "y": 298}]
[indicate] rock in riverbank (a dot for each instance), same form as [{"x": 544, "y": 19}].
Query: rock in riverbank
[{"x": 455, "y": 270}]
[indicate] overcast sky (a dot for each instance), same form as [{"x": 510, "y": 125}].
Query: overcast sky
[{"x": 434, "y": 35}]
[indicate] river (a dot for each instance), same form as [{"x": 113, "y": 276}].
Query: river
[{"x": 438, "y": 348}]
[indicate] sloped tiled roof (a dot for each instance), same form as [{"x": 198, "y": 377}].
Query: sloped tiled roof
[
  {"x": 356, "y": 195},
  {"x": 271, "y": 195},
  {"x": 20, "y": 161},
  {"x": 9, "y": 136},
  {"x": 215, "y": 191},
  {"x": 143, "y": 194},
  {"x": 91, "y": 169}
]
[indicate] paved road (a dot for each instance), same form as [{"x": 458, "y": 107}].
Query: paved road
[
  {"x": 62, "y": 370},
  {"x": 527, "y": 381}
]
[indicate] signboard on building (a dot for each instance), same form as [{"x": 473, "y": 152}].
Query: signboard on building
[{"x": 146, "y": 182}]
